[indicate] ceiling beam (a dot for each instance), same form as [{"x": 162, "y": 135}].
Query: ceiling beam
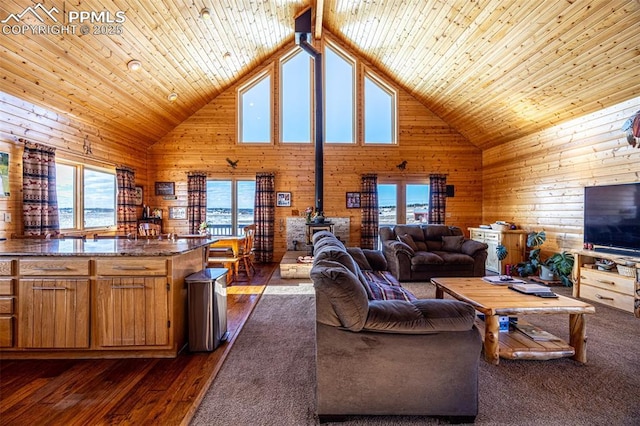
[{"x": 319, "y": 12}]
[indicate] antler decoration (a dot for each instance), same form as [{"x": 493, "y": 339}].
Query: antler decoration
[
  {"x": 233, "y": 164},
  {"x": 402, "y": 165},
  {"x": 632, "y": 128}
]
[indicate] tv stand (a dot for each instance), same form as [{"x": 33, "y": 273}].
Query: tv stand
[
  {"x": 607, "y": 287},
  {"x": 620, "y": 252}
]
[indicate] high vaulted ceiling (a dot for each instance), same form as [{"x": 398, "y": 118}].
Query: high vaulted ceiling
[{"x": 495, "y": 70}]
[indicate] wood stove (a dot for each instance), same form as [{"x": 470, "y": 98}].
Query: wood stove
[{"x": 312, "y": 228}]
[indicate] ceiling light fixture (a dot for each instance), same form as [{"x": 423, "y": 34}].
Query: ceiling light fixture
[
  {"x": 172, "y": 97},
  {"x": 205, "y": 13},
  {"x": 134, "y": 65}
]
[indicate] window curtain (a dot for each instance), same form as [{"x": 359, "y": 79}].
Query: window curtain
[
  {"x": 264, "y": 216},
  {"x": 196, "y": 200},
  {"x": 127, "y": 218},
  {"x": 438, "y": 198},
  {"x": 370, "y": 212},
  {"x": 39, "y": 197}
]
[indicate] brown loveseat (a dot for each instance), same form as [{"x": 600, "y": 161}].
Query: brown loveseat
[
  {"x": 380, "y": 356},
  {"x": 421, "y": 252}
]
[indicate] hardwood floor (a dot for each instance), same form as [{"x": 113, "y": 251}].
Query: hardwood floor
[{"x": 122, "y": 391}]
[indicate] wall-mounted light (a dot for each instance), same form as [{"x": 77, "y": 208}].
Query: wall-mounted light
[
  {"x": 134, "y": 65},
  {"x": 172, "y": 97},
  {"x": 205, "y": 13}
]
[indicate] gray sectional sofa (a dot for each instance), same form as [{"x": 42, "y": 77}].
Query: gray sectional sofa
[{"x": 386, "y": 352}]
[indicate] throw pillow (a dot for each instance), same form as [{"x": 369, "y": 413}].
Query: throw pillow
[
  {"x": 408, "y": 240},
  {"x": 358, "y": 255},
  {"x": 452, "y": 243}
]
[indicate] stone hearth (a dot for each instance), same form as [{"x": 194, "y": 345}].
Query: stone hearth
[{"x": 296, "y": 231}]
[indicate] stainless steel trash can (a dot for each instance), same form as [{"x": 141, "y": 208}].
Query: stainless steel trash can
[{"x": 207, "y": 308}]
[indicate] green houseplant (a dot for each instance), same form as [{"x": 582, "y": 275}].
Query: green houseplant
[
  {"x": 562, "y": 265},
  {"x": 501, "y": 252},
  {"x": 531, "y": 266}
]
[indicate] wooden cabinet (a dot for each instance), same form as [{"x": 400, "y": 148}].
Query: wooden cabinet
[
  {"x": 53, "y": 303},
  {"x": 607, "y": 287},
  {"x": 53, "y": 313},
  {"x": 7, "y": 311},
  {"x": 97, "y": 306},
  {"x": 514, "y": 240},
  {"x": 132, "y": 311},
  {"x": 132, "y": 302},
  {"x": 132, "y": 267}
]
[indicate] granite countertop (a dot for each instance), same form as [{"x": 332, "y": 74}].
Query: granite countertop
[{"x": 107, "y": 247}]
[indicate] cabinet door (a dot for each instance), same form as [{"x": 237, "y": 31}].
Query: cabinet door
[
  {"x": 493, "y": 263},
  {"x": 53, "y": 313},
  {"x": 132, "y": 311}
]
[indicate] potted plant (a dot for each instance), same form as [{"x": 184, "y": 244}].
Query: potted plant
[
  {"x": 531, "y": 266},
  {"x": 501, "y": 252},
  {"x": 561, "y": 264}
]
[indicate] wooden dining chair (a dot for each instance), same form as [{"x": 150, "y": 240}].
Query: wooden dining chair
[
  {"x": 149, "y": 229},
  {"x": 246, "y": 251},
  {"x": 230, "y": 262}
]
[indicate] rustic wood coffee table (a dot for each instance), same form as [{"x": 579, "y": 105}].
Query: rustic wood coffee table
[{"x": 498, "y": 300}]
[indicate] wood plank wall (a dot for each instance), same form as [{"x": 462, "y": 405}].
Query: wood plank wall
[
  {"x": 538, "y": 181},
  {"x": 21, "y": 119},
  {"x": 205, "y": 140}
]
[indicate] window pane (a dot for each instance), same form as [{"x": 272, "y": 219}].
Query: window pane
[
  {"x": 99, "y": 199},
  {"x": 256, "y": 112},
  {"x": 388, "y": 203},
  {"x": 296, "y": 99},
  {"x": 339, "y": 103},
  {"x": 378, "y": 113},
  {"x": 246, "y": 203},
  {"x": 417, "y": 203},
  {"x": 219, "y": 207},
  {"x": 66, "y": 190}
]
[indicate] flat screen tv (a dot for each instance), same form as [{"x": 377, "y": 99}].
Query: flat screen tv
[{"x": 612, "y": 217}]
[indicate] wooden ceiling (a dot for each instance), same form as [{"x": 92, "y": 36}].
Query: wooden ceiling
[{"x": 495, "y": 70}]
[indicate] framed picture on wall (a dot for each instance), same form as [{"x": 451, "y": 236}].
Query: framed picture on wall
[
  {"x": 165, "y": 188},
  {"x": 283, "y": 199},
  {"x": 353, "y": 200},
  {"x": 137, "y": 197},
  {"x": 177, "y": 212}
]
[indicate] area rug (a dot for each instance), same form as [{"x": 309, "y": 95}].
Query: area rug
[{"x": 269, "y": 376}]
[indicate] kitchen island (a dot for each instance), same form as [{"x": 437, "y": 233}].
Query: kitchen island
[{"x": 107, "y": 298}]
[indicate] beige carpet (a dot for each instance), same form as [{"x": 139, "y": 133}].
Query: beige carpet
[{"x": 269, "y": 376}]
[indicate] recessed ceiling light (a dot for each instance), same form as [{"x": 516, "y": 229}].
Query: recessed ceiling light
[
  {"x": 172, "y": 97},
  {"x": 134, "y": 65},
  {"x": 205, "y": 13}
]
